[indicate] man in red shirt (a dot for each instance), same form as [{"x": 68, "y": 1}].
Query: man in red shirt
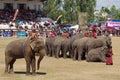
[
  {"x": 109, "y": 60},
  {"x": 94, "y": 33}
]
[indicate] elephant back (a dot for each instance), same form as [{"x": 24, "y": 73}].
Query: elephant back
[
  {"x": 58, "y": 40},
  {"x": 106, "y": 39},
  {"x": 15, "y": 47},
  {"x": 49, "y": 40},
  {"x": 77, "y": 36}
]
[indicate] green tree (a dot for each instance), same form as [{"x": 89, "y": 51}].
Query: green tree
[
  {"x": 52, "y": 8},
  {"x": 90, "y": 9},
  {"x": 69, "y": 9}
]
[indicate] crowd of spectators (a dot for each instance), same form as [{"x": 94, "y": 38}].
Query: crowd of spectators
[
  {"x": 26, "y": 21},
  {"x": 23, "y": 15},
  {"x": 63, "y": 30}
]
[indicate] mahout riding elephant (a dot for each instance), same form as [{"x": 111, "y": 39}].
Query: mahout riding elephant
[
  {"x": 65, "y": 47},
  {"x": 24, "y": 48},
  {"x": 72, "y": 39},
  {"x": 57, "y": 46},
  {"x": 49, "y": 46},
  {"x": 98, "y": 54}
]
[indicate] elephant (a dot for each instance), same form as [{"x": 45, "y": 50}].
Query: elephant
[
  {"x": 72, "y": 39},
  {"x": 24, "y": 48},
  {"x": 65, "y": 47},
  {"x": 98, "y": 42},
  {"x": 49, "y": 45},
  {"x": 79, "y": 48},
  {"x": 98, "y": 54},
  {"x": 84, "y": 45},
  {"x": 57, "y": 46}
]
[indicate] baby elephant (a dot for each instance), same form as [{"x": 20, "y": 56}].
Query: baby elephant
[{"x": 98, "y": 54}]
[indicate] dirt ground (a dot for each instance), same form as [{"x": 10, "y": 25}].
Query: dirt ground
[{"x": 64, "y": 69}]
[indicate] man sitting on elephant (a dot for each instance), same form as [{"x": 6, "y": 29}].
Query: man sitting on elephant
[{"x": 33, "y": 35}]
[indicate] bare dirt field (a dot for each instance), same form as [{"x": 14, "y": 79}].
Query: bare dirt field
[{"x": 64, "y": 69}]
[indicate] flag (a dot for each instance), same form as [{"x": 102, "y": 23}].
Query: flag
[{"x": 15, "y": 15}]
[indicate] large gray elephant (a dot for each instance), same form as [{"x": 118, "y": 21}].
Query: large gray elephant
[
  {"x": 57, "y": 46},
  {"x": 24, "y": 48},
  {"x": 79, "y": 48},
  {"x": 98, "y": 54},
  {"x": 82, "y": 46},
  {"x": 72, "y": 39},
  {"x": 65, "y": 47},
  {"x": 49, "y": 46},
  {"x": 98, "y": 42}
]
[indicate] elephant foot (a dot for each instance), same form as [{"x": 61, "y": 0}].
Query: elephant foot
[
  {"x": 56, "y": 57},
  {"x": 11, "y": 72},
  {"x": 27, "y": 74},
  {"x": 74, "y": 59},
  {"x": 33, "y": 74},
  {"x": 79, "y": 59},
  {"x": 6, "y": 72},
  {"x": 49, "y": 55},
  {"x": 64, "y": 57}
]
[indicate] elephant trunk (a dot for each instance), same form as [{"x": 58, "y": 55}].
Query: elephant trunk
[{"x": 41, "y": 55}]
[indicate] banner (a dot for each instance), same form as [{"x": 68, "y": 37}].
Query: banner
[
  {"x": 15, "y": 15},
  {"x": 113, "y": 24}
]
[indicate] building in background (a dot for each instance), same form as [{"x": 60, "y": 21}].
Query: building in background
[{"x": 22, "y": 4}]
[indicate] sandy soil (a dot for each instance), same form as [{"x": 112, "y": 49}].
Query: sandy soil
[{"x": 64, "y": 69}]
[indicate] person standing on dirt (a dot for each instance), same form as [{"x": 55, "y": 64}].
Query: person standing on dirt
[{"x": 109, "y": 60}]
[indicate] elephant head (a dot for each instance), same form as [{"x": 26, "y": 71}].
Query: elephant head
[
  {"x": 105, "y": 50},
  {"x": 38, "y": 46},
  {"x": 108, "y": 41}
]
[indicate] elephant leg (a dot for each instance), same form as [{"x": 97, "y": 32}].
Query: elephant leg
[
  {"x": 57, "y": 52},
  {"x": 6, "y": 68},
  {"x": 49, "y": 51},
  {"x": 33, "y": 66},
  {"x": 64, "y": 54},
  {"x": 28, "y": 62},
  {"x": 80, "y": 54},
  {"x": 74, "y": 54},
  {"x": 39, "y": 60},
  {"x": 103, "y": 59},
  {"x": 71, "y": 53},
  {"x": 53, "y": 51},
  {"x": 87, "y": 59},
  {"x": 7, "y": 63},
  {"x": 11, "y": 66}
]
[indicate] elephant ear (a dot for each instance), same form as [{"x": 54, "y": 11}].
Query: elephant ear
[
  {"x": 104, "y": 48},
  {"x": 32, "y": 45}
]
